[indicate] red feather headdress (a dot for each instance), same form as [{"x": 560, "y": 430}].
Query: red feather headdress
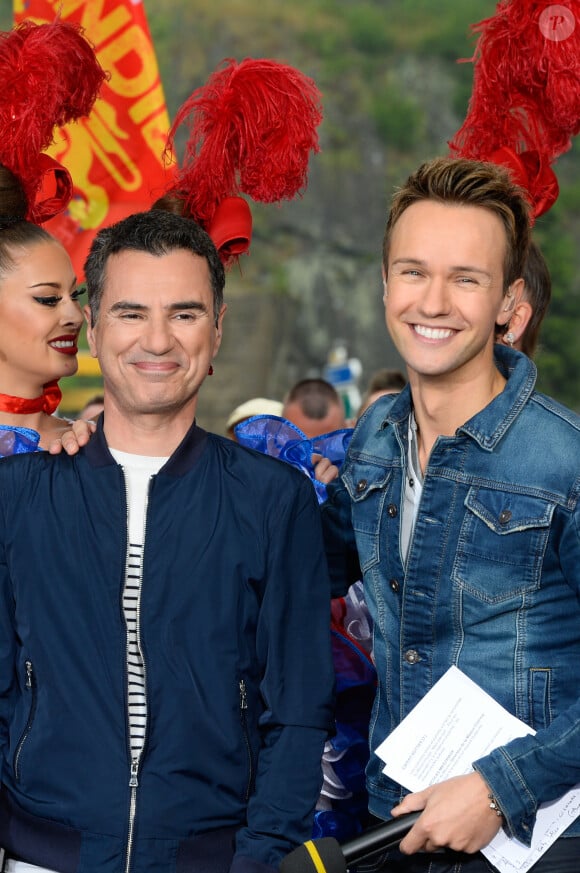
[
  {"x": 50, "y": 76},
  {"x": 252, "y": 127},
  {"x": 525, "y": 105}
]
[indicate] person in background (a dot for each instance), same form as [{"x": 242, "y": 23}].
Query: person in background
[
  {"x": 40, "y": 321},
  {"x": 40, "y": 317},
  {"x": 255, "y": 406},
  {"x": 179, "y": 583},
  {"x": 92, "y": 408},
  {"x": 460, "y": 500},
  {"x": 383, "y": 381},
  {"x": 315, "y": 407}
]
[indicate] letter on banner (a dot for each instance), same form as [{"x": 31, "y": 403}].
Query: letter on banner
[{"x": 115, "y": 155}]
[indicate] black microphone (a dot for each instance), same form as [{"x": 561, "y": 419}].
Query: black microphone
[{"x": 327, "y": 855}]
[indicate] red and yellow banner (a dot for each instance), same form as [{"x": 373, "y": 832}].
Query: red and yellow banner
[{"x": 115, "y": 155}]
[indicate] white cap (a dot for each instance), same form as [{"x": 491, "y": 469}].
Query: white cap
[{"x": 255, "y": 406}]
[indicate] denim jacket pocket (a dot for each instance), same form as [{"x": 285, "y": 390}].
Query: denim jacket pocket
[
  {"x": 368, "y": 487},
  {"x": 501, "y": 544}
]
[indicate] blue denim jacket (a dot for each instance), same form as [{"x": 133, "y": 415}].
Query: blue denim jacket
[{"x": 491, "y": 582}]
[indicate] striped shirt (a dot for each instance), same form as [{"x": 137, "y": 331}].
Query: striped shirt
[
  {"x": 137, "y": 701},
  {"x": 138, "y": 470}
]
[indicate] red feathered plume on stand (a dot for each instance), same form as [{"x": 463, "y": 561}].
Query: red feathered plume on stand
[
  {"x": 252, "y": 127},
  {"x": 50, "y": 76},
  {"x": 525, "y": 105}
]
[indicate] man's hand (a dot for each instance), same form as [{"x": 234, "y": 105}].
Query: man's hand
[
  {"x": 456, "y": 815},
  {"x": 324, "y": 471},
  {"x": 72, "y": 439}
]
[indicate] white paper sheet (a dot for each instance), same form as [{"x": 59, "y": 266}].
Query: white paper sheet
[{"x": 453, "y": 725}]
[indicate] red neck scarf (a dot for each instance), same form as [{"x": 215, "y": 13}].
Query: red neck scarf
[{"x": 47, "y": 402}]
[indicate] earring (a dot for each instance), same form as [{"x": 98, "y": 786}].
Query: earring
[
  {"x": 510, "y": 337},
  {"x": 210, "y": 371}
]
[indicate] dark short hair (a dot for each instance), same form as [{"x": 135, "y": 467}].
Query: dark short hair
[
  {"x": 314, "y": 396},
  {"x": 157, "y": 233},
  {"x": 457, "y": 181}
]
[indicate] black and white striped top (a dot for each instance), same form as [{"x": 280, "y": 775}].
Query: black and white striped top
[
  {"x": 138, "y": 470},
  {"x": 137, "y": 701}
]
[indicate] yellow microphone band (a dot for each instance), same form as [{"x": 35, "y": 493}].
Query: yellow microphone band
[{"x": 316, "y": 859}]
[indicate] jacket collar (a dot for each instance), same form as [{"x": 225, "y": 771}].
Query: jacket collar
[
  {"x": 183, "y": 458},
  {"x": 489, "y": 425}
]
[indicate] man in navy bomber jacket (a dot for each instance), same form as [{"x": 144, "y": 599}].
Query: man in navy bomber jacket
[{"x": 165, "y": 669}]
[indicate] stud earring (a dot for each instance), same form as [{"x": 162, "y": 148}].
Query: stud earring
[
  {"x": 510, "y": 337},
  {"x": 210, "y": 371}
]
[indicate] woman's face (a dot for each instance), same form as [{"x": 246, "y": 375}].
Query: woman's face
[{"x": 40, "y": 319}]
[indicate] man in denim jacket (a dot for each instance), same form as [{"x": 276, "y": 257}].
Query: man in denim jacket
[{"x": 459, "y": 498}]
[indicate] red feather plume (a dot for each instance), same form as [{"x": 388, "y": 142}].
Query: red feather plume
[
  {"x": 526, "y": 91},
  {"x": 50, "y": 76},
  {"x": 251, "y": 129}
]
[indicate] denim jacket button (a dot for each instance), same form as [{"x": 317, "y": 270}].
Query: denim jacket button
[
  {"x": 394, "y": 585},
  {"x": 411, "y": 656},
  {"x": 361, "y": 485},
  {"x": 392, "y": 510},
  {"x": 504, "y": 516}
]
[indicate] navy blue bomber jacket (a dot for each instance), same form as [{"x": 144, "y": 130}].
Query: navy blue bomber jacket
[{"x": 234, "y": 621}]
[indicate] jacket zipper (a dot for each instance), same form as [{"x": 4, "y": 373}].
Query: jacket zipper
[
  {"x": 133, "y": 784},
  {"x": 31, "y": 685},
  {"x": 136, "y": 761},
  {"x": 244, "y": 720}
]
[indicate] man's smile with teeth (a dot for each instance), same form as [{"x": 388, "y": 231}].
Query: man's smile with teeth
[{"x": 432, "y": 332}]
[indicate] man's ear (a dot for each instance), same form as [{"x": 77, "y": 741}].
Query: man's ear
[
  {"x": 90, "y": 335},
  {"x": 510, "y": 301},
  {"x": 219, "y": 330}
]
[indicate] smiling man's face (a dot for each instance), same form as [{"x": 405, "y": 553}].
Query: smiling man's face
[
  {"x": 444, "y": 288},
  {"x": 156, "y": 333}
]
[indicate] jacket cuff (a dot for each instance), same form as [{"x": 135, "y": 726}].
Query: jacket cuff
[{"x": 505, "y": 782}]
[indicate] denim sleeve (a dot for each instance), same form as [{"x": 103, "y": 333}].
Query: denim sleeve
[
  {"x": 339, "y": 540},
  {"x": 536, "y": 769},
  {"x": 297, "y": 687}
]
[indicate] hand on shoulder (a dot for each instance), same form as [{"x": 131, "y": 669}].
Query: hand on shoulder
[{"x": 72, "y": 436}]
